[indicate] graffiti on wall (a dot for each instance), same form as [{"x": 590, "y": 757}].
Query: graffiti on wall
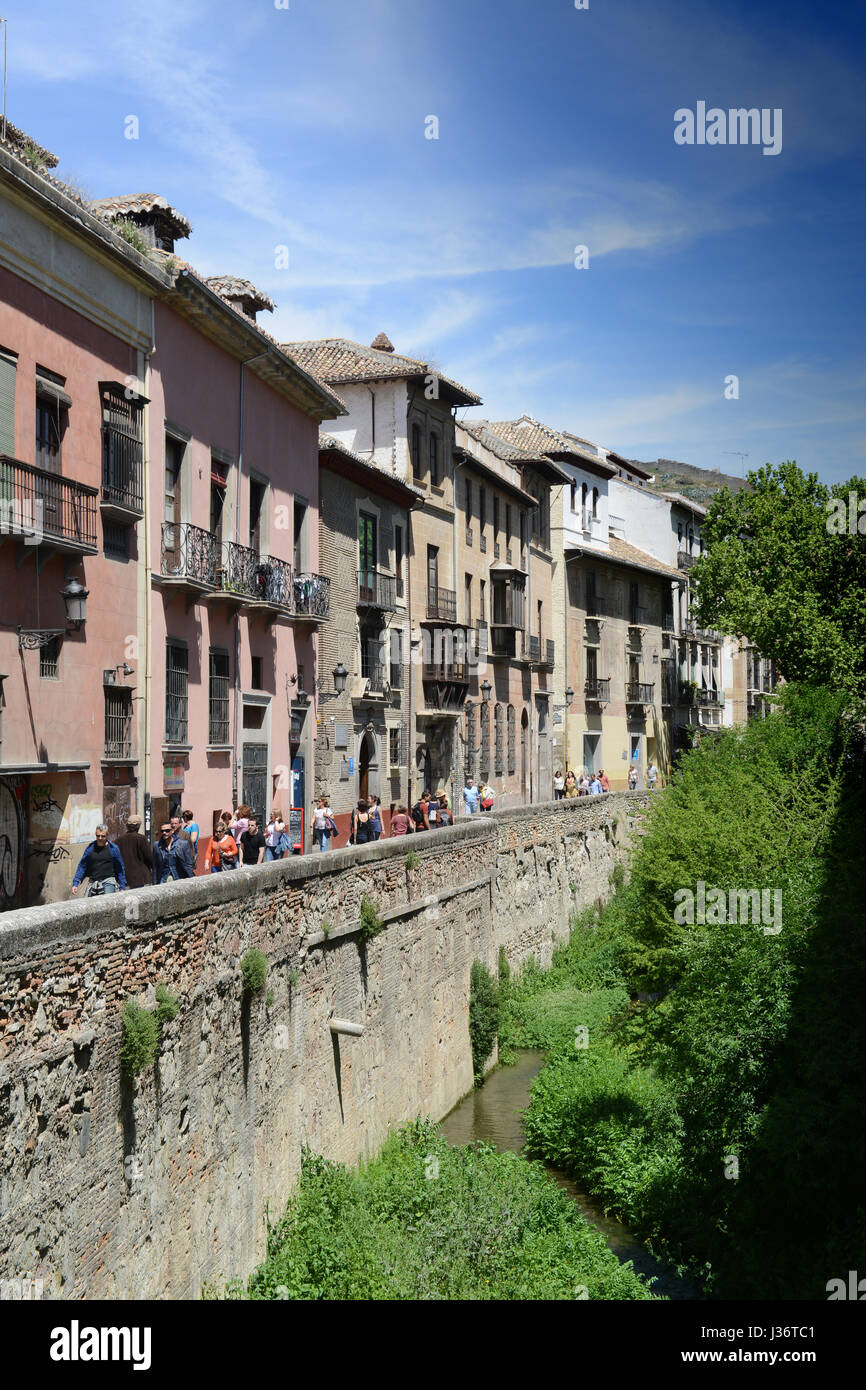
[{"x": 11, "y": 840}]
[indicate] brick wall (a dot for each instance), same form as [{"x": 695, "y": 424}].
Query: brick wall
[{"x": 151, "y": 1191}]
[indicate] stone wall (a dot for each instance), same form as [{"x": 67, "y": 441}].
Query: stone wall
[{"x": 153, "y": 1190}]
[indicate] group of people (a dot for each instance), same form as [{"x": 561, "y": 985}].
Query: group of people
[
  {"x": 594, "y": 783},
  {"x": 133, "y": 862}
]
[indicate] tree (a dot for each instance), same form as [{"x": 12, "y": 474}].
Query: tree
[{"x": 786, "y": 568}]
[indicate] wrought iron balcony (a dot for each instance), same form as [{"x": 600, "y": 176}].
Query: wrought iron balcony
[
  {"x": 46, "y": 507},
  {"x": 535, "y": 650},
  {"x": 372, "y": 667},
  {"x": 685, "y": 560},
  {"x": 549, "y": 658},
  {"x": 637, "y": 616},
  {"x": 445, "y": 671},
  {"x": 688, "y": 694},
  {"x": 638, "y": 693},
  {"x": 376, "y": 590},
  {"x": 122, "y": 471},
  {"x": 710, "y": 698},
  {"x": 312, "y": 597},
  {"x": 441, "y": 604},
  {"x": 189, "y": 555},
  {"x": 598, "y": 691}
]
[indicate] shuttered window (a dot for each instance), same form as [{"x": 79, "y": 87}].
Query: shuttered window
[{"x": 8, "y": 373}]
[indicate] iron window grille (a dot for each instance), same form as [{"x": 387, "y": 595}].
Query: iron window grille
[
  {"x": 118, "y": 723},
  {"x": 176, "y": 693},
  {"x": 218, "y": 698}
]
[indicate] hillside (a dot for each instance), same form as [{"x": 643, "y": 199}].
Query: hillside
[{"x": 700, "y": 484}]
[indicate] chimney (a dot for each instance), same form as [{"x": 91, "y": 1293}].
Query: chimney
[
  {"x": 240, "y": 294},
  {"x": 382, "y": 343},
  {"x": 160, "y": 224}
]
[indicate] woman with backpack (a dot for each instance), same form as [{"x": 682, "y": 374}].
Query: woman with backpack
[
  {"x": 376, "y": 817},
  {"x": 276, "y": 837},
  {"x": 223, "y": 850}
]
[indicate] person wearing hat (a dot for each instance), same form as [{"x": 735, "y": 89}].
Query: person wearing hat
[{"x": 136, "y": 853}]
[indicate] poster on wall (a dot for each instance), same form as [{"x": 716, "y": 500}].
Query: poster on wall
[{"x": 296, "y": 828}]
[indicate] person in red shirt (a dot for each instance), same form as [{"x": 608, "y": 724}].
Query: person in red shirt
[
  {"x": 604, "y": 779},
  {"x": 401, "y": 823}
]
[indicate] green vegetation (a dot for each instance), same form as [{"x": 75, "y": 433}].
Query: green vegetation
[
  {"x": 254, "y": 971},
  {"x": 371, "y": 922},
  {"x": 784, "y": 570},
  {"x": 140, "y": 1038},
  {"x": 722, "y": 1115},
  {"x": 427, "y": 1221},
  {"x": 294, "y": 977},
  {"x": 132, "y": 234},
  {"x": 167, "y": 1005},
  {"x": 30, "y": 155},
  {"x": 326, "y": 929},
  {"x": 412, "y": 860},
  {"x": 483, "y": 1017}
]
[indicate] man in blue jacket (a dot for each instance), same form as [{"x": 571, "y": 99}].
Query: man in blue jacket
[
  {"x": 101, "y": 862},
  {"x": 180, "y": 857}
]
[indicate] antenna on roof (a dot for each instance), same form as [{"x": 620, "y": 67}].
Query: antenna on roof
[
  {"x": 737, "y": 453},
  {"x": 5, "y": 24}
]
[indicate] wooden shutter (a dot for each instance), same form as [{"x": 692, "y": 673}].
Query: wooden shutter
[{"x": 8, "y": 373}]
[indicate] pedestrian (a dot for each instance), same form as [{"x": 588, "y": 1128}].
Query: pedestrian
[
  {"x": 432, "y": 810},
  {"x": 652, "y": 775},
  {"x": 102, "y": 865},
  {"x": 161, "y": 866},
  {"x": 488, "y": 796},
  {"x": 595, "y": 785},
  {"x": 632, "y": 778},
  {"x": 419, "y": 812},
  {"x": 401, "y": 822},
  {"x": 558, "y": 785},
  {"x": 223, "y": 850},
  {"x": 323, "y": 820},
  {"x": 276, "y": 838},
  {"x": 583, "y": 783},
  {"x": 471, "y": 797},
  {"x": 571, "y": 788},
  {"x": 604, "y": 779},
  {"x": 240, "y": 821},
  {"x": 136, "y": 854},
  {"x": 362, "y": 830},
  {"x": 445, "y": 816},
  {"x": 181, "y": 863},
  {"x": 376, "y": 817},
  {"x": 252, "y": 844},
  {"x": 190, "y": 825}
]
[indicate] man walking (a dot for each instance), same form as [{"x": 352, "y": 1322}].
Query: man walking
[
  {"x": 136, "y": 854},
  {"x": 604, "y": 779},
  {"x": 161, "y": 861},
  {"x": 102, "y": 864},
  {"x": 471, "y": 797},
  {"x": 252, "y": 844},
  {"x": 595, "y": 785},
  {"x": 652, "y": 775},
  {"x": 180, "y": 860}
]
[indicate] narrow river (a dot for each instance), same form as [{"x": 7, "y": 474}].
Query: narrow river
[{"x": 493, "y": 1114}]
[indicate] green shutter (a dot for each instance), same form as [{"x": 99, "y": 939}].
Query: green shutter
[{"x": 8, "y": 371}]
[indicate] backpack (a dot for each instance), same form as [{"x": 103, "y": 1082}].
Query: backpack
[{"x": 417, "y": 814}]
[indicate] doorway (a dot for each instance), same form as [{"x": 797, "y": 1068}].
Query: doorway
[
  {"x": 254, "y": 779},
  {"x": 368, "y": 766},
  {"x": 591, "y": 744}
]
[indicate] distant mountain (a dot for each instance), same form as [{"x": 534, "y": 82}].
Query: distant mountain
[{"x": 700, "y": 484}]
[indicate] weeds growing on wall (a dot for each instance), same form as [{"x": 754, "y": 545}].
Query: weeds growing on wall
[
  {"x": 254, "y": 971},
  {"x": 427, "y": 1221},
  {"x": 705, "y": 1080},
  {"x": 141, "y": 1030},
  {"x": 483, "y": 1017},
  {"x": 371, "y": 922}
]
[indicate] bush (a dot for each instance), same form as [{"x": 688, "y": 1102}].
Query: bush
[
  {"x": 483, "y": 1017},
  {"x": 412, "y": 860},
  {"x": 294, "y": 977},
  {"x": 326, "y": 929},
  {"x": 254, "y": 971},
  {"x": 167, "y": 1005},
  {"x": 140, "y": 1038},
  {"x": 132, "y": 234},
  {"x": 371, "y": 922}
]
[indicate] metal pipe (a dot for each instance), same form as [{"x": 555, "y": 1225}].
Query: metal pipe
[
  {"x": 340, "y": 1025},
  {"x": 235, "y": 760}
]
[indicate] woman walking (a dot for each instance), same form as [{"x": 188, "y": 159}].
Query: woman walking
[
  {"x": 558, "y": 785},
  {"x": 376, "y": 817},
  {"x": 570, "y": 785},
  {"x": 362, "y": 830},
  {"x": 276, "y": 838},
  {"x": 223, "y": 850}
]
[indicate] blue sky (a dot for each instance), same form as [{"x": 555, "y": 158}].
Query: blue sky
[{"x": 305, "y": 127}]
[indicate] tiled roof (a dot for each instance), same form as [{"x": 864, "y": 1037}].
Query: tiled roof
[
  {"x": 382, "y": 343},
  {"x": 338, "y": 360},
  {"x": 539, "y": 438},
  {"x": 142, "y": 202},
  {"x": 20, "y": 140},
  {"x": 630, "y": 555},
  {"x": 328, "y": 443},
  {"x": 487, "y": 435},
  {"x": 231, "y": 287}
]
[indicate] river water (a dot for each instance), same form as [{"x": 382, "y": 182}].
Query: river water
[{"x": 492, "y": 1113}]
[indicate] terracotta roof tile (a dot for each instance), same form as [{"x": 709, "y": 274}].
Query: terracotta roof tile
[
  {"x": 630, "y": 555},
  {"x": 232, "y": 287},
  {"x": 338, "y": 360},
  {"x": 142, "y": 202}
]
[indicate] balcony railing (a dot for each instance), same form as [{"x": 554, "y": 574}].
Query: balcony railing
[
  {"x": 535, "y": 650},
  {"x": 668, "y": 620},
  {"x": 597, "y": 690},
  {"x": 638, "y": 693},
  {"x": 46, "y": 505},
  {"x": 372, "y": 668},
  {"x": 441, "y": 604},
  {"x": 445, "y": 671},
  {"x": 637, "y": 616},
  {"x": 376, "y": 590},
  {"x": 312, "y": 596},
  {"x": 189, "y": 553},
  {"x": 122, "y": 471},
  {"x": 709, "y": 698},
  {"x": 482, "y": 543},
  {"x": 685, "y": 560},
  {"x": 483, "y": 635},
  {"x": 688, "y": 695}
]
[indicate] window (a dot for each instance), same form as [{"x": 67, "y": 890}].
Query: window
[
  {"x": 435, "y": 461},
  {"x": 433, "y": 574},
  {"x": 540, "y": 612},
  {"x": 417, "y": 461},
  {"x": 395, "y": 675},
  {"x": 680, "y": 531},
  {"x": 591, "y": 659},
  {"x": 122, "y": 446},
  {"x": 482, "y": 507},
  {"x": 633, "y": 605},
  {"x": 507, "y": 525},
  {"x": 398, "y": 558},
  {"x": 171, "y": 531},
  {"x": 469, "y": 600},
  {"x": 522, "y": 532},
  {"x": 257, "y": 502},
  {"x": 299, "y": 552},
  {"x": 218, "y": 487},
  {"x": 51, "y": 418},
  {"x": 218, "y": 698},
  {"x": 394, "y": 747},
  {"x": 115, "y": 540},
  {"x": 595, "y": 502},
  {"x": 256, "y": 663},
  {"x": 118, "y": 722},
  {"x": 301, "y": 685},
  {"x": 482, "y": 611},
  {"x": 176, "y": 692},
  {"x": 468, "y": 501},
  {"x": 574, "y": 496},
  {"x": 591, "y": 595},
  {"x": 512, "y": 727},
  {"x": 8, "y": 375},
  {"x": 498, "y": 748},
  {"x": 49, "y": 660},
  {"x": 367, "y": 548}
]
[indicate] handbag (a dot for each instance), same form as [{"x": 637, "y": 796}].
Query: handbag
[
  {"x": 487, "y": 803},
  {"x": 332, "y": 830}
]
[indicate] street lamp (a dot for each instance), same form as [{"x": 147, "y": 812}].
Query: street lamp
[
  {"x": 340, "y": 676},
  {"x": 75, "y": 598},
  {"x": 486, "y": 688}
]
